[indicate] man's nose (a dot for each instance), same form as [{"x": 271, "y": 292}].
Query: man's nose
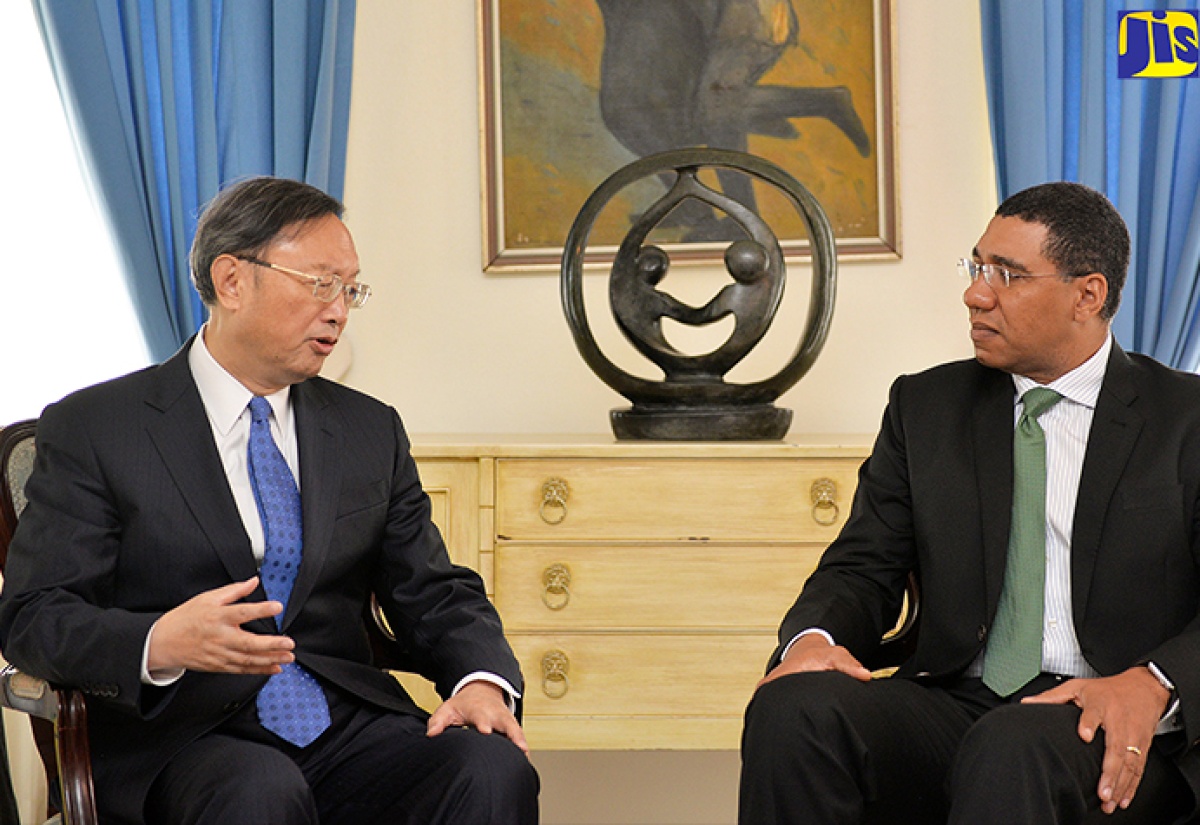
[
  {"x": 979, "y": 294},
  {"x": 338, "y": 310}
]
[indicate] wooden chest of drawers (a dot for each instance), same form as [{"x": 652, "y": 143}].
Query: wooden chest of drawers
[{"x": 641, "y": 584}]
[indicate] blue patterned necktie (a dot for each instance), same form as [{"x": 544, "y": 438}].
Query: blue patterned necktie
[
  {"x": 291, "y": 704},
  {"x": 1014, "y": 651}
]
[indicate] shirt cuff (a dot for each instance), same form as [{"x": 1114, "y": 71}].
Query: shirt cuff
[
  {"x": 807, "y": 632},
  {"x": 510, "y": 692},
  {"x": 160, "y": 678},
  {"x": 1170, "y": 720}
]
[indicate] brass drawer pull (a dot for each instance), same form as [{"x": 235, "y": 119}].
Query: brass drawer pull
[
  {"x": 556, "y": 586},
  {"x": 555, "y": 665},
  {"x": 824, "y": 502},
  {"x": 555, "y": 492}
]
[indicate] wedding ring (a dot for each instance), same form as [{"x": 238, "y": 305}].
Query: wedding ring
[{"x": 1134, "y": 749}]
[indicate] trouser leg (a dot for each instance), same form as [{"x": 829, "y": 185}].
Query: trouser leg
[
  {"x": 825, "y": 748},
  {"x": 1026, "y": 763},
  {"x": 225, "y": 780},
  {"x": 370, "y": 766},
  {"x": 385, "y": 769}
]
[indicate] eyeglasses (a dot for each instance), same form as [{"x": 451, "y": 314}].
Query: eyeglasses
[
  {"x": 327, "y": 288},
  {"x": 1001, "y": 277}
]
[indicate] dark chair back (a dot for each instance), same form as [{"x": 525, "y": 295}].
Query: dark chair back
[
  {"x": 58, "y": 717},
  {"x": 16, "y": 463}
]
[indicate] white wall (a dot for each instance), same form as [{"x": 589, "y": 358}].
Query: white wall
[{"x": 458, "y": 350}]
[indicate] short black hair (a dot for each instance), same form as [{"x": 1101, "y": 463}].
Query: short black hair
[
  {"x": 246, "y": 217},
  {"x": 1085, "y": 232}
]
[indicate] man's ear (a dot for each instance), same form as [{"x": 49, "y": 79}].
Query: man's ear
[
  {"x": 1093, "y": 292},
  {"x": 227, "y": 278}
]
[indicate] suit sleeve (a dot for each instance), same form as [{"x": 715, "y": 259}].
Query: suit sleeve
[
  {"x": 439, "y": 611},
  {"x": 56, "y": 615},
  {"x": 1179, "y": 656},
  {"x": 856, "y": 592}
]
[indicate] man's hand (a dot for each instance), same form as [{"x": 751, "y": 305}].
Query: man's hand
[
  {"x": 812, "y": 652},
  {"x": 483, "y": 706},
  {"x": 205, "y": 633},
  {"x": 1128, "y": 707}
]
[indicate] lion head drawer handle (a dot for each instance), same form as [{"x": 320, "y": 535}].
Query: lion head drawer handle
[
  {"x": 556, "y": 586},
  {"x": 554, "y": 500},
  {"x": 555, "y": 665},
  {"x": 824, "y": 502}
]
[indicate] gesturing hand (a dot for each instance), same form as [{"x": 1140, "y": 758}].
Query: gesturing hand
[
  {"x": 812, "y": 652},
  {"x": 205, "y": 633},
  {"x": 1128, "y": 707},
  {"x": 481, "y": 705}
]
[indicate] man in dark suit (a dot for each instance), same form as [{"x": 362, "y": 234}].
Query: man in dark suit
[
  {"x": 218, "y": 693},
  {"x": 1105, "y": 709}
]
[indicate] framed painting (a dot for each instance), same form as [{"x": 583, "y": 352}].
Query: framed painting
[{"x": 573, "y": 90}]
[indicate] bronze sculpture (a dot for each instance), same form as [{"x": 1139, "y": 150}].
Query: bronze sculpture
[{"x": 694, "y": 401}]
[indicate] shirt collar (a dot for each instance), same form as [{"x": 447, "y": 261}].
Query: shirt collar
[
  {"x": 225, "y": 398},
  {"x": 1082, "y": 384}
]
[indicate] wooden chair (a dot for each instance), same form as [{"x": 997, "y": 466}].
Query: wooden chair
[{"x": 58, "y": 716}]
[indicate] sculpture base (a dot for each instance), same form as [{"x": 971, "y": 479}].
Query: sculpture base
[{"x": 760, "y": 422}]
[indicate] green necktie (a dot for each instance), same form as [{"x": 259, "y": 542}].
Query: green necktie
[{"x": 1014, "y": 651}]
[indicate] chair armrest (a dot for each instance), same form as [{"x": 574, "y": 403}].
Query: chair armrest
[
  {"x": 28, "y": 694},
  {"x": 901, "y": 642},
  {"x": 69, "y": 758}
]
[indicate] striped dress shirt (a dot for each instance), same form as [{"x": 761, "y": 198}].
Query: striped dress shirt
[{"x": 1066, "y": 425}]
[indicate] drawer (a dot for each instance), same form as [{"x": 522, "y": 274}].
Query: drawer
[
  {"x": 540, "y": 587},
  {"x": 630, "y": 675},
  {"x": 695, "y": 500}
]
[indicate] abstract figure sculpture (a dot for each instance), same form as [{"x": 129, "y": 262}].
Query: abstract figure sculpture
[{"x": 693, "y": 401}]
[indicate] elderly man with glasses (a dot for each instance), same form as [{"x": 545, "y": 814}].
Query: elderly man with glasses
[
  {"x": 1046, "y": 494},
  {"x": 201, "y": 545}
]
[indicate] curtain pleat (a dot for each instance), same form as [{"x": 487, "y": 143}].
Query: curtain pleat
[{"x": 171, "y": 99}]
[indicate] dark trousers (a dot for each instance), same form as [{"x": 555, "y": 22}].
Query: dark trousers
[
  {"x": 370, "y": 766},
  {"x": 825, "y": 749}
]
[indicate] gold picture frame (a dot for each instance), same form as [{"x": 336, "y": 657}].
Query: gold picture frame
[{"x": 561, "y": 109}]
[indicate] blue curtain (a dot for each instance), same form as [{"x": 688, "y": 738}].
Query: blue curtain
[
  {"x": 1060, "y": 112},
  {"x": 170, "y": 99}
]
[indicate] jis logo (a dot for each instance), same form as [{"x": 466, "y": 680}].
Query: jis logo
[{"x": 1158, "y": 44}]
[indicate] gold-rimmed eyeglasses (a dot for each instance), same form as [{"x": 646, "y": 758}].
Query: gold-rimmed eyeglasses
[
  {"x": 1001, "y": 277},
  {"x": 327, "y": 288}
]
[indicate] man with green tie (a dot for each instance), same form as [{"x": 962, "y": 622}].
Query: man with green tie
[{"x": 1046, "y": 494}]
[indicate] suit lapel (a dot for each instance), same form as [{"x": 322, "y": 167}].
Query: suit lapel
[
  {"x": 1115, "y": 430},
  {"x": 320, "y": 481},
  {"x": 183, "y": 438},
  {"x": 992, "y": 436}
]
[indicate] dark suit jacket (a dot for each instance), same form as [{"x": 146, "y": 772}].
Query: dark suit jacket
[
  {"x": 936, "y": 496},
  {"x": 130, "y": 514}
]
